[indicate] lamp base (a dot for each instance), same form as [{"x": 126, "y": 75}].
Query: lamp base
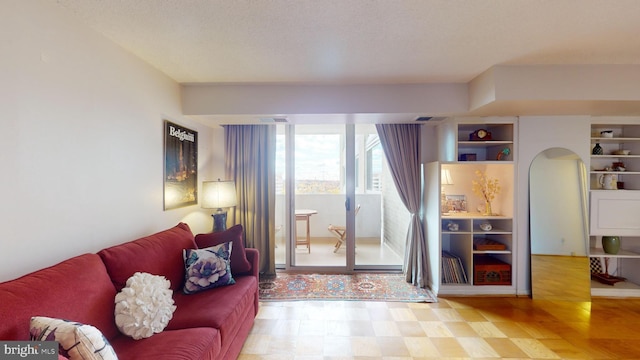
[{"x": 219, "y": 221}]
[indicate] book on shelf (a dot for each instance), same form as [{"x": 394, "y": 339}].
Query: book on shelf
[{"x": 452, "y": 269}]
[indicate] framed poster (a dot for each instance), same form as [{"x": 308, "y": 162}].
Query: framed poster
[{"x": 180, "y": 166}]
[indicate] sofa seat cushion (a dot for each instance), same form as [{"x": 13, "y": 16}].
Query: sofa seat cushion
[
  {"x": 223, "y": 308},
  {"x": 77, "y": 289},
  {"x": 184, "y": 344},
  {"x": 157, "y": 254}
]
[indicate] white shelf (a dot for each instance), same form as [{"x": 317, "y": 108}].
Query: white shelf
[
  {"x": 598, "y": 252},
  {"x": 615, "y": 172},
  {"x": 481, "y": 252},
  {"x": 614, "y": 139},
  {"x": 608, "y": 156},
  {"x": 493, "y": 231},
  {"x": 619, "y": 289},
  {"x": 482, "y": 143}
]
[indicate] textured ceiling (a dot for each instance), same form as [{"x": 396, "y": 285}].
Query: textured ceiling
[{"x": 362, "y": 41}]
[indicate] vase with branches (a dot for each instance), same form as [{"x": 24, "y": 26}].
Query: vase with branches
[{"x": 486, "y": 188}]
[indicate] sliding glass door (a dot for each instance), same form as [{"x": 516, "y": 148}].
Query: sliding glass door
[{"x": 329, "y": 199}]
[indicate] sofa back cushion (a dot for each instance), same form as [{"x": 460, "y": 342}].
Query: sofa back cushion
[
  {"x": 78, "y": 289},
  {"x": 157, "y": 254},
  {"x": 239, "y": 263}
]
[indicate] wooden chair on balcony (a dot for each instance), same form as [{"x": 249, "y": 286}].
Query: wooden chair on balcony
[{"x": 340, "y": 232}]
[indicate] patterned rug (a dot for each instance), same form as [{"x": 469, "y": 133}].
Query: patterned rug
[{"x": 370, "y": 287}]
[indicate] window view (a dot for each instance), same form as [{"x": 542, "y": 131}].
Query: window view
[
  {"x": 374, "y": 163},
  {"x": 318, "y": 168}
]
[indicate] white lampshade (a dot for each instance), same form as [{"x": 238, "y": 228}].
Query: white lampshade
[
  {"x": 445, "y": 177},
  {"x": 218, "y": 194}
]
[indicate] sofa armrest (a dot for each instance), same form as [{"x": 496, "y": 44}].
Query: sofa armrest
[{"x": 254, "y": 259}]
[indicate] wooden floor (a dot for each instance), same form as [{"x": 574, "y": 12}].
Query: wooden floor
[{"x": 453, "y": 328}]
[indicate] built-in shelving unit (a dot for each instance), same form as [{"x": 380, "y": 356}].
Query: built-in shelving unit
[
  {"x": 487, "y": 256},
  {"x": 468, "y": 240},
  {"x": 614, "y": 209},
  {"x": 486, "y": 150}
]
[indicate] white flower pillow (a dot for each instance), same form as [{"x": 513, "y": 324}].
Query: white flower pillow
[
  {"x": 77, "y": 341},
  {"x": 207, "y": 268},
  {"x": 145, "y": 306}
]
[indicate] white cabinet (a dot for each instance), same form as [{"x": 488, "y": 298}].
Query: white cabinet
[
  {"x": 614, "y": 210},
  {"x": 615, "y": 213}
]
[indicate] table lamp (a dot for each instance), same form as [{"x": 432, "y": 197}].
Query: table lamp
[
  {"x": 445, "y": 179},
  {"x": 218, "y": 195}
]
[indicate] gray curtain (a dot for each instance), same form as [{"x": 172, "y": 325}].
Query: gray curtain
[
  {"x": 401, "y": 145},
  {"x": 250, "y": 162}
]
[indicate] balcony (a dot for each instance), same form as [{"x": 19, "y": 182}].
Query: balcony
[{"x": 381, "y": 226}]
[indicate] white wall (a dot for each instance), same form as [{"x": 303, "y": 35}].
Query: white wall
[{"x": 81, "y": 151}]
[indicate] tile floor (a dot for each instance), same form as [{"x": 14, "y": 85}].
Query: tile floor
[
  {"x": 368, "y": 252},
  {"x": 454, "y": 328}
]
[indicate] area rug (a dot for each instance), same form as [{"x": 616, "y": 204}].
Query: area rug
[{"x": 368, "y": 287}]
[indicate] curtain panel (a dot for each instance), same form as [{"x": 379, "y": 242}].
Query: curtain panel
[
  {"x": 401, "y": 145},
  {"x": 250, "y": 162}
]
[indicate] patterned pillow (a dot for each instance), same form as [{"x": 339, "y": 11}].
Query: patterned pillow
[
  {"x": 207, "y": 268},
  {"x": 77, "y": 341}
]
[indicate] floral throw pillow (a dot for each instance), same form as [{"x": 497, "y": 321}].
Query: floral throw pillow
[
  {"x": 77, "y": 341},
  {"x": 207, "y": 268}
]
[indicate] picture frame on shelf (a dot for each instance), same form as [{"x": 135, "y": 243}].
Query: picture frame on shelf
[{"x": 456, "y": 203}]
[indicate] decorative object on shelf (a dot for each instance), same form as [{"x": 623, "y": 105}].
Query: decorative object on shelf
[
  {"x": 597, "y": 150},
  {"x": 604, "y": 277},
  {"x": 445, "y": 179},
  {"x": 482, "y": 244},
  {"x": 611, "y": 244},
  {"x": 503, "y": 153},
  {"x": 619, "y": 166},
  {"x": 621, "y": 152},
  {"x": 608, "y": 181},
  {"x": 620, "y": 185},
  {"x": 456, "y": 203},
  {"x": 488, "y": 270},
  {"x": 606, "y": 133},
  {"x": 467, "y": 157},
  {"x": 480, "y": 134},
  {"x": 451, "y": 226},
  {"x": 486, "y": 188},
  {"x": 485, "y": 226}
]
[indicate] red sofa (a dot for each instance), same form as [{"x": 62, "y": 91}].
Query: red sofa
[{"x": 212, "y": 324}]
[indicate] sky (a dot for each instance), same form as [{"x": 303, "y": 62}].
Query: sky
[{"x": 317, "y": 157}]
